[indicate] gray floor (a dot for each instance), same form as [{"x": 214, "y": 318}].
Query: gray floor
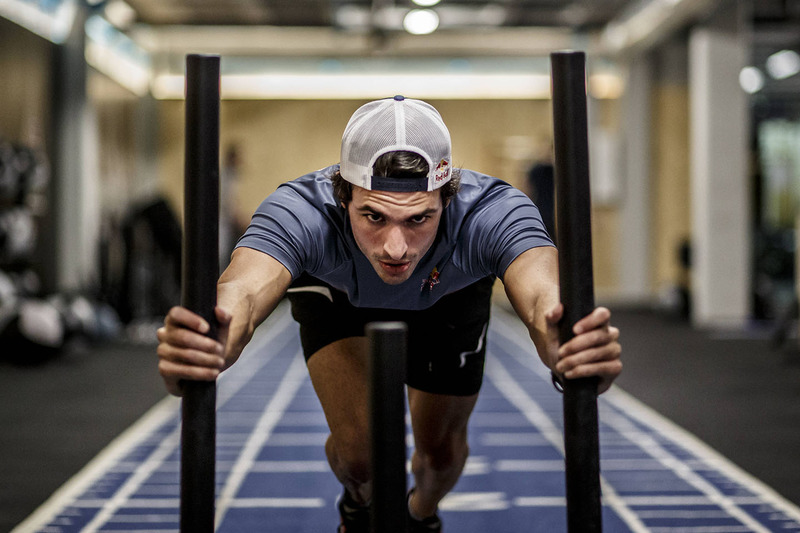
[
  {"x": 739, "y": 395},
  {"x": 58, "y": 416},
  {"x": 736, "y": 392}
]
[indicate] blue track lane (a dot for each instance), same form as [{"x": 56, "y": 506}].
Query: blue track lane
[{"x": 272, "y": 474}]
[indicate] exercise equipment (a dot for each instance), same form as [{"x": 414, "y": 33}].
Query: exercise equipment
[
  {"x": 388, "y": 352},
  {"x": 18, "y": 236},
  {"x": 24, "y": 171},
  {"x": 573, "y": 201},
  {"x": 31, "y": 331},
  {"x": 200, "y": 270},
  {"x": 9, "y": 179}
]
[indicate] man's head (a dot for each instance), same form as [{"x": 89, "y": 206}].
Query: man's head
[
  {"x": 396, "y": 125},
  {"x": 400, "y": 165},
  {"x": 395, "y": 179}
]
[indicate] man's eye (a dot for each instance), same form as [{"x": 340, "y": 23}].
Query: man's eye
[
  {"x": 372, "y": 217},
  {"x": 419, "y": 219}
]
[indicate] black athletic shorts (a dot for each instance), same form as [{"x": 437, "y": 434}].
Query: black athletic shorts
[{"x": 446, "y": 342}]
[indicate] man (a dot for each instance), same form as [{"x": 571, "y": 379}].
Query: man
[{"x": 393, "y": 232}]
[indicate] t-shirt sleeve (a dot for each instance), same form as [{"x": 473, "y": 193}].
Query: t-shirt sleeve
[
  {"x": 287, "y": 227},
  {"x": 501, "y": 227}
]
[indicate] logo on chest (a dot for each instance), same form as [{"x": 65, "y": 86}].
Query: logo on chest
[{"x": 430, "y": 281}]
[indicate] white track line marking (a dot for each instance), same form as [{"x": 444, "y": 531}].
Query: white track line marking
[
  {"x": 280, "y": 401},
  {"x": 658, "y": 423},
  {"x": 280, "y": 503},
  {"x": 516, "y": 395},
  {"x": 132, "y": 484},
  {"x": 650, "y": 418},
  {"x": 160, "y": 414},
  {"x": 141, "y": 431}
]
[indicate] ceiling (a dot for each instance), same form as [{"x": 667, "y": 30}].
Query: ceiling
[
  {"x": 775, "y": 23},
  {"x": 324, "y": 29},
  {"x": 467, "y": 28},
  {"x": 581, "y": 14}
]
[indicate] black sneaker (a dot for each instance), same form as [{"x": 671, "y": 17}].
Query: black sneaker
[
  {"x": 355, "y": 517},
  {"x": 431, "y": 524}
]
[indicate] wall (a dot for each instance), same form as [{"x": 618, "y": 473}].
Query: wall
[
  {"x": 25, "y": 85},
  {"x": 670, "y": 202},
  {"x": 281, "y": 140}
]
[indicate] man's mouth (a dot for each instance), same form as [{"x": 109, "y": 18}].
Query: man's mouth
[{"x": 395, "y": 267}]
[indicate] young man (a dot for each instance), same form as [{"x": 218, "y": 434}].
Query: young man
[{"x": 392, "y": 233}]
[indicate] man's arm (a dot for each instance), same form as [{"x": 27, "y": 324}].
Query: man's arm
[
  {"x": 247, "y": 292},
  {"x": 531, "y": 283}
]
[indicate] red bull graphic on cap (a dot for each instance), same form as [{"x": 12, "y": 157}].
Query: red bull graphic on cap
[{"x": 442, "y": 171}]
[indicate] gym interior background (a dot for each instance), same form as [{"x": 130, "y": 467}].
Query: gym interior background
[{"x": 694, "y": 128}]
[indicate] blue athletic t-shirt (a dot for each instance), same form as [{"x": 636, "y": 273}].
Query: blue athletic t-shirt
[{"x": 483, "y": 229}]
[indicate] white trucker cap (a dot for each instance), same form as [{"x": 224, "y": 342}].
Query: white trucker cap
[{"x": 391, "y": 125}]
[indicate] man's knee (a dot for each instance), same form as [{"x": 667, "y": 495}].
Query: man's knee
[
  {"x": 444, "y": 454},
  {"x": 351, "y": 455}
]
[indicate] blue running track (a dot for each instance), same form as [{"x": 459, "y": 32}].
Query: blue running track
[{"x": 272, "y": 474}]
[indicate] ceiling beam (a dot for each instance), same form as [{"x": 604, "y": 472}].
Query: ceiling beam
[
  {"x": 645, "y": 23},
  {"x": 272, "y": 41}
]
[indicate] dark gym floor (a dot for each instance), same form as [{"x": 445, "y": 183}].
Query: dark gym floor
[{"x": 735, "y": 392}]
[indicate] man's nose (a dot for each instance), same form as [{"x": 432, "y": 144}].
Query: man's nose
[{"x": 395, "y": 244}]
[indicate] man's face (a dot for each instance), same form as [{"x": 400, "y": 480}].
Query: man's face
[{"x": 394, "y": 230}]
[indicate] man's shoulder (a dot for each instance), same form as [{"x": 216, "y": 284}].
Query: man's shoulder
[
  {"x": 318, "y": 179},
  {"x": 477, "y": 188},
  {"x": 315, "y": 187}
]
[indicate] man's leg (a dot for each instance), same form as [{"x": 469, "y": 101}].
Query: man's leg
[
  {"x": 440, "y": 437},
  {"x": 340, "y": 376}
]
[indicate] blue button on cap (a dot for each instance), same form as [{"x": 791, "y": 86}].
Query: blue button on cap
[{"x": 399, "y": 98}]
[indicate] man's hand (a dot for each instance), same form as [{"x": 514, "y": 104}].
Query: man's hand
[
  {"x": 593, "y": 351},
  {"x": 184, "y": 350}
]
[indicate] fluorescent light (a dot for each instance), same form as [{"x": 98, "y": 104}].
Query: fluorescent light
[
  {"x": 350, "y": 16},
  {"x": 120, "y": 14},
  {"x": 643, "y": 23},
  {"x": 751, "y": 80},
  {"x": 114, "y": 54},
  {"x": 427, "y": 3},
  {"x": 51, "y": 20},
  {"x": 421, "y": 21},
  {"x": 783, "y": 64},
  {"x": 293, "y": 86},
  {"x": 119, "y": 68}
]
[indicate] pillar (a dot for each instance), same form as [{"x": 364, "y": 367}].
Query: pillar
[{"x": 719, "y": 125}]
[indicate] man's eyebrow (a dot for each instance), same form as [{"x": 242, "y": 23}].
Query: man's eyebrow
[
  {"x": 368, "y": 209},
  {"x": 429, "y": 211},
  {"x": 372, "y": 210}
]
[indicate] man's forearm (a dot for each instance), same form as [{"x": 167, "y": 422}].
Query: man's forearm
[
  {"x": 249, "y": 290},
  {"x": 531, "y": 283},
  {"x": 238, "y": 304}
]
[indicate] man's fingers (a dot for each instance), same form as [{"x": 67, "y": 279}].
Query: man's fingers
[
  {"x": 186, "y": 338},
  {"x": 190, "y": 357},
  {"x": 594, "y": 351},
  {"x": 186, "y": 352},
  {"x": 585, "y": 341},
  {"x": 172, "y": 371},
  {"x": 183, "y": 318},
  {"x": 607, "y": 371},
  {"x": 578, "y": 363},
  {"x": 599, "y": 317}
]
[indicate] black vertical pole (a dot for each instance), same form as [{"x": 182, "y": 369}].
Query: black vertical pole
[
  {"x": 199, "y": 289},
  {"x": 388, "y": 347},
  {"x": 571, "y": 143}
]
